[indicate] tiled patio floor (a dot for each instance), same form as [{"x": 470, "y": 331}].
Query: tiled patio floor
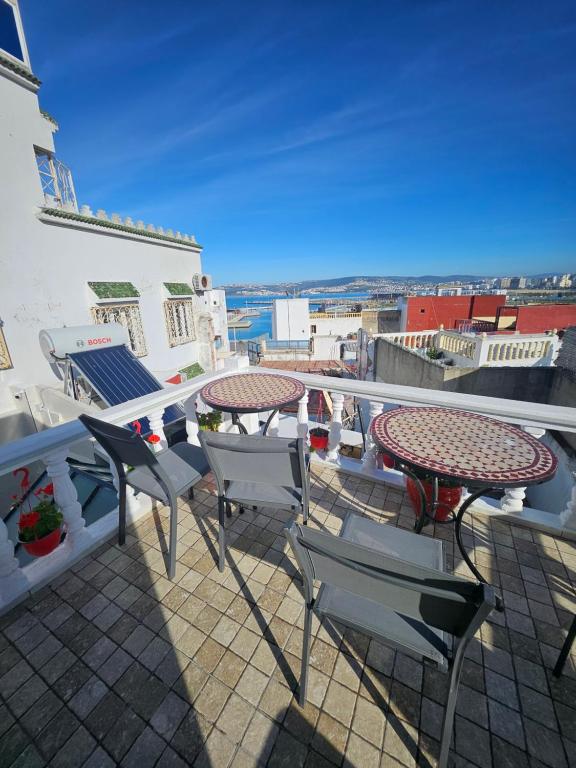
[{"x": 114, "y": 664}]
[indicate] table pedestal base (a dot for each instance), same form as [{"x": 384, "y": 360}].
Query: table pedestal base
[
  {"x": 242, "y": 429},
  {"x": 425, "y": 517}
]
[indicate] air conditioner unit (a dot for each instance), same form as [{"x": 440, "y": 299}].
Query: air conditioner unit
[{"x": 202, "y": 282}]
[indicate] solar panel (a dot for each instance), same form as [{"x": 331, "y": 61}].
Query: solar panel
[{"x": 117, "y": 376}]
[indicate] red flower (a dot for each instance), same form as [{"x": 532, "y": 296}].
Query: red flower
[
  {"x": 29, "y": 519},
  {"x": 153, "y": 439}
]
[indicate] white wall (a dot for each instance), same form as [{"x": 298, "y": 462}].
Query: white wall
[
  {"x": 326, "y": 348},
  {"x": 45, "y": 267},
  {"x": 215, "y": 302},
  {"x": 290, "y": 319},
  {"x": 336, "y": 326}
]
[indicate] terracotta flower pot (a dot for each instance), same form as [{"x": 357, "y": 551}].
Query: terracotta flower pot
[
  {"x": 319, "y": 441},
  {"x": 448, "y": 498},
  {"x": 45, "y": 545}
]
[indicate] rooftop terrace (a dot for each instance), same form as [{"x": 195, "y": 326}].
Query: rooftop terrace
[{"x": 114, "y": 664}]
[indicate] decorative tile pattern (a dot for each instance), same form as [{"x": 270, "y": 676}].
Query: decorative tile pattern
[
  {"x": 465, "y": 446},
  {"x": 252, "y": 392},
  {"x": 204, "y": 671}
]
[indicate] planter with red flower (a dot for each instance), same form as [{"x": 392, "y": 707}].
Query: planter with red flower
[
  {"x": 40, "y": 524},
  {"x": 449, "y": 495}
]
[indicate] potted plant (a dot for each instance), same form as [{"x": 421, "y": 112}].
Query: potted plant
[
  {"x": 39, "y": 526},
  {"x": 210, "y": 422},
  {"x": 319, "y": 438},
  {"x": 449, "y": 495}
]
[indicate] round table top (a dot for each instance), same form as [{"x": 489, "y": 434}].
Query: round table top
[
  {"x": 252, "y": 392},
  {"x": 464, "y": 446}
]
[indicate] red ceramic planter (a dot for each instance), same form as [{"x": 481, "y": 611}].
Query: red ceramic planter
[
  {"x": 448, "y": 498},
  {"x": 385, "y": 460},
  {"x": 319, "y": 442},
  {"x": 43, "y": 546}
]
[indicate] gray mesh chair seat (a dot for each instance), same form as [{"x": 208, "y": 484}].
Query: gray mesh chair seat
[
  {"x": 264, "y": 495},
  {"x": 164, "y": 475},
  {"x": 184, "y": 464},
  {"x": 251, "y": 470},
  {"x": 390, "y": 585}
]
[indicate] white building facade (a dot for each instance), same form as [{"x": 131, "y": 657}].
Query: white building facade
[{"x": 61, "y": 265}]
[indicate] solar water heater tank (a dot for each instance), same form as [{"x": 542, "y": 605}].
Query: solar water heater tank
[{"x": 57, "y": 343}]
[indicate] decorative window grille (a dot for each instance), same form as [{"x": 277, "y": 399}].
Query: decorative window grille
[
  {"x": 56, "y": 180},
  {"x": 127, "y": 315},
  {"x": 179, "y": 321},
  {"x": 5, "y": 359}
]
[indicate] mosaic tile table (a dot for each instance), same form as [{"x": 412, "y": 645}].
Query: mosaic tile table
[
  {"x": 252, "y": 393},
  {"x": 474, "y": 450}
]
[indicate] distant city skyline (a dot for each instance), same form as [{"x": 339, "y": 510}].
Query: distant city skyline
[{"x": 311, "y": 140}]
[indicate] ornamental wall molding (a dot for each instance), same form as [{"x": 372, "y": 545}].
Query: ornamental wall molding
[{"x": 116, "y": 226}]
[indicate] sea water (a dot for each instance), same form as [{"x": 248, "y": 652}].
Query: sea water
[{"x": 262, "y": 324}]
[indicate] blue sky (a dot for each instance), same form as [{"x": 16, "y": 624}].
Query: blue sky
[{"x": 319, "y": 138}]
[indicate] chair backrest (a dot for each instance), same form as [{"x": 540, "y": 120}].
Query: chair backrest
[
  {"x": 276, "y": 461},
  {"x": 122, "y": 445},
  {"x": 441, "y": 600}
]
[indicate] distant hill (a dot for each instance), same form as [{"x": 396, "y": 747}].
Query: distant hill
[{"x": 350, "y": 283}]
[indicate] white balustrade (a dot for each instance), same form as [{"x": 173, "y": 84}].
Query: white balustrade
[
  {"x": 65, "y": 495},
  {"x": 302, "y": 427},
  {"x": 274, "y": 426},
  {"x": 335, "y": 427},
  {"x": 568, "y": 514},
  {"x": 156, "y": 419},
  {"x": 192, "y": 426},
  {"x": 52, "y": 446},
  {"x": 369, "y": 462},
  {"x": 12, "y": 580},
  {"x": 513, "y": 500}
]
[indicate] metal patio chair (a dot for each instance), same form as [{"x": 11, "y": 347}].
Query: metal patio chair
[
  {"x": 251, "y": 470},
  {"x": 390, "y": 585},
  {"x": 164, "y": 475}
]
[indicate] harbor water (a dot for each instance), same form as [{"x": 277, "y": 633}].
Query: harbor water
[{"x": 262, "y": 323}]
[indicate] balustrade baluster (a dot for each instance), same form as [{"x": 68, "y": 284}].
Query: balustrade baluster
[
  {"x": 568, "y": 514},
  {"x": 65, "y": 496},
  {"x": 513, "y": 499},
  {"x": 192, "y": 428},
  {"x": 157, "y": 426},
  {"x": 369, "y": 458},
  {"x": 274, "y": 426},
  {"x": 302, "y": 427},
  {"x": 12, "y": 580},
  {"x": 335, "y": 427}
]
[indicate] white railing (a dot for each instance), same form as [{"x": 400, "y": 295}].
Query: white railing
[
  {"x": 411, "y": 340},
  {"x": 52, "y": 446},
  {"x": 482, "y": 349},
  {"x": 333, "y": 315},
  {"x": 499, "y": 349},
  {"x": 456, "y": 344}
]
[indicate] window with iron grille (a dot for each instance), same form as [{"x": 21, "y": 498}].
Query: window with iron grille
[
  {"x": 127, "y": 315},
  {"x": 5, "y": 359},
  {"x": 179, "y": 321}
]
